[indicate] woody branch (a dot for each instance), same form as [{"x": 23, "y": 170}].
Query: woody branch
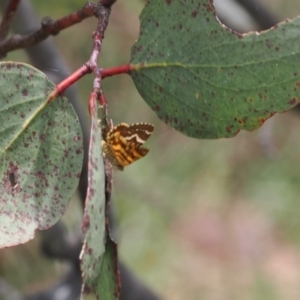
[
  {"x": 7, "y": 18},
  {"x": 102, "y": 13},
  {"x": 48, "y": 26}
]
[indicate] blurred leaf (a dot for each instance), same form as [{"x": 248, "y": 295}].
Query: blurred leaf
[
  {"x": 41, "y": 156},
  {"x": 207, "y": 81},
  {"x": 93, "y": 224}
]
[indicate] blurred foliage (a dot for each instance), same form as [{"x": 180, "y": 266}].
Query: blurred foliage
[{"x": 197, "y": 219}]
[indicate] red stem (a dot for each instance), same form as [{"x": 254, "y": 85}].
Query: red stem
[
  {"x": 125, "y": 69},
  {"x": 63, "y": 85},
  {"x": 86, "y": 69}
]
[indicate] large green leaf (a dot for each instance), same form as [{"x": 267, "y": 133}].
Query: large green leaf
[
  {"x": 207, "y": 81},
  {"x": 41, "y": 153}
]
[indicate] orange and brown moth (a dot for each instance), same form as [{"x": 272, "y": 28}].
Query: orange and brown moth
[{"x": 123, "y": 144}]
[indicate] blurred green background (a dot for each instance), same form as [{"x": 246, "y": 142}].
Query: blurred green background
[{"x": 198, "y": 219}]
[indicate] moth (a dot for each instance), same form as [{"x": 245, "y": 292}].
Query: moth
[{"x": 123, "y": 144}]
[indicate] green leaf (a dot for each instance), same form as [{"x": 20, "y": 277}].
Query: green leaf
[
  {"x": 109, "y": 281},
  {"x": 41, "y": 153},
  {"x": 207, "y": 81},
  {"x": 93, "y": 223}
]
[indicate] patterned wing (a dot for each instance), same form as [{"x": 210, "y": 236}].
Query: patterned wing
[{"x": 124, "y": 142}]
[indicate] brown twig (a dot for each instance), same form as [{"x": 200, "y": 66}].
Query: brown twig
[
  {"x": 7, "y": 18},
  {"x": 102, "y": 14},
  {"x": 49, "y": 27}
]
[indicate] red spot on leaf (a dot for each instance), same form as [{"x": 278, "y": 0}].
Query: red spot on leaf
[
  {"x": 195, "y": 13},
  {"x": 210, "y": 6},
  {"x": 293, "y": 101},
  {"x": 25, "y": 92},
  {"x": 229, "y": 128}
]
